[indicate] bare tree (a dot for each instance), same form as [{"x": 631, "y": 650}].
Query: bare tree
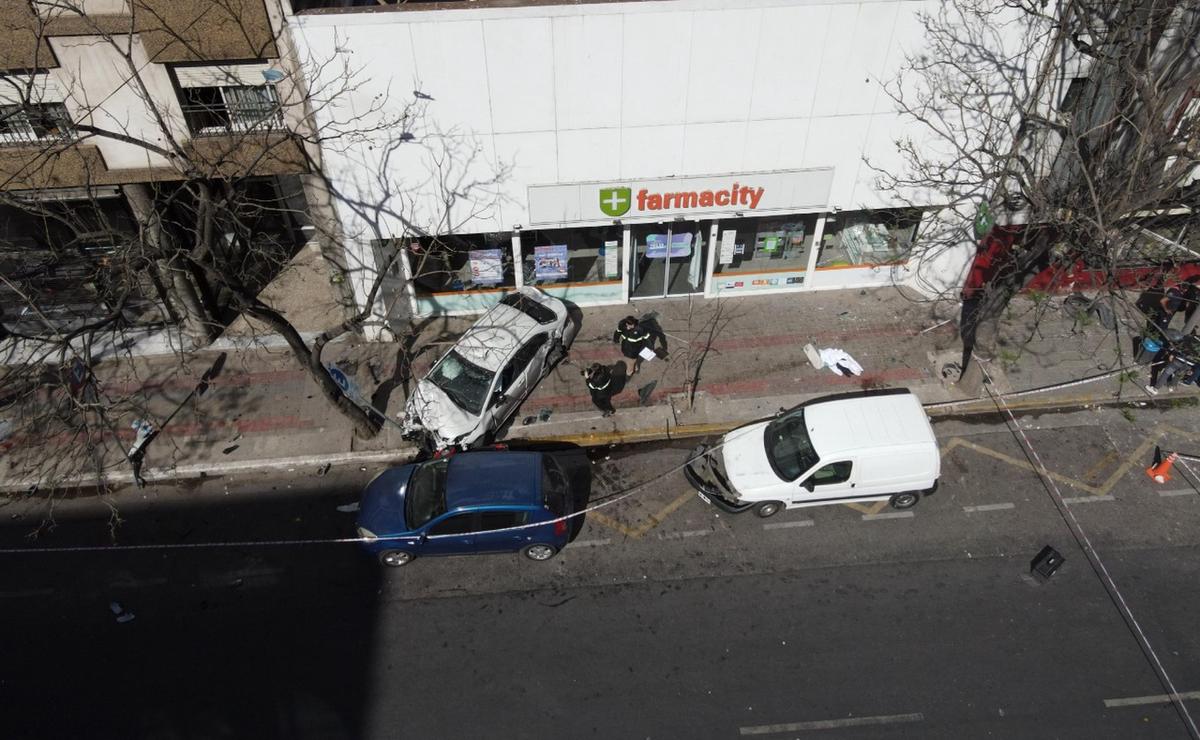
[
  {"x": 1067, "y": 130},
  {"x": 190, "y": 249}
]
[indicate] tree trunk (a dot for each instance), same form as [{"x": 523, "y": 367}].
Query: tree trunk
[
  {"x": 365, "y": 425},
  {"x": 196, "y": 321}
]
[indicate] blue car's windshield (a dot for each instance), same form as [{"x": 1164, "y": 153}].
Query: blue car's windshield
[
  {"x": 789, "y": 448},
  {"x": 426, "y": 496},
  {"x": 466, "y": 384}
]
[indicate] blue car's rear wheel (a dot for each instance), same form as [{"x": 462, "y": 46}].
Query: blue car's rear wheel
[
  {"x": 538, "y": 551},
  {"x": 395, "y": 558}
]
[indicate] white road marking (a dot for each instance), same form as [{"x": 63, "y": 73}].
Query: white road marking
[
  {"x": 786, "y": 525},
  {"x": 889, "y": 515},
  {"x": 1087, "y": 499},
  {"x": 1134, "y": 701},
  {"x": 830, "y": 724},
  {"x": 1179, "y": 492},
  {"x": 988, "y": 507},
  {"x": 689, "y": 533},
  {"x": 589, "y": 543}
]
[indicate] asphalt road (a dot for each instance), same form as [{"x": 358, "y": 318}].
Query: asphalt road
[{"x": 663, "y": 619}]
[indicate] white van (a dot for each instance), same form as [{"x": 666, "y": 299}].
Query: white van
[{"x": 868, "y": 446}]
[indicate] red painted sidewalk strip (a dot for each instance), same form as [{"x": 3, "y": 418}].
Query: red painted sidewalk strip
[{"x": 741, "y": 388}]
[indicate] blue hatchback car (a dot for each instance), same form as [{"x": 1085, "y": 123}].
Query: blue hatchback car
[{"x": 467, "y": 503}]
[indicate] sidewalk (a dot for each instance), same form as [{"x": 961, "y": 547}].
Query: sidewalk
[{"x": 745, "y": 356}]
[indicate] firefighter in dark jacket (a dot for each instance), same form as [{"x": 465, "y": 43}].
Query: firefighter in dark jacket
[
  {"x": 633, "y": 338},
  {"x": 600, "y": 385}
]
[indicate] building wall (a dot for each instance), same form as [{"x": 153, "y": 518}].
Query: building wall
[
  {"x": 630, "y": 90},
  {"x": 78, "y": 60}
]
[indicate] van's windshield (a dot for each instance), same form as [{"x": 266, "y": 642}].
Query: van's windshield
[{"x": 789, "y": 448}]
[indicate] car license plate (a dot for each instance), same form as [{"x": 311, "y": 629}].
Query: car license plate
[{"x": 704, "y": 498}]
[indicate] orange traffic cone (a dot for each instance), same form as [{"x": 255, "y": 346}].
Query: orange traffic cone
[{"x": 1161, "y": 472}]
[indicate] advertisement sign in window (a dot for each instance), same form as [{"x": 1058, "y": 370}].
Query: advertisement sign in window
[
  {"x": 612, "y": 251},
  {"x": 550, "y": 262},
  {"x": 656, "y": 245},
  {"x": 728, "y": 239},
  {"x": 486, "y": 266}
]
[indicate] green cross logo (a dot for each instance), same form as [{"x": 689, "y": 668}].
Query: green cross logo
[{"x": 614, "y": 201}]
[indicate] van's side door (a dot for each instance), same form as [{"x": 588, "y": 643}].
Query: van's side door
[{"x": 832, "y": 480}]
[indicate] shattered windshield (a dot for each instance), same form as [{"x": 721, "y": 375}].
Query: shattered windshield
[
  {"x": 466, "y": 384},
  {"x": 789, "y": 448}
]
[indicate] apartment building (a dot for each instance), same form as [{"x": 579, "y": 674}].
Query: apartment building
[{"x": 114, "y": 116}]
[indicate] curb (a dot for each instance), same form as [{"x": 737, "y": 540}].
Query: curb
[
  {"x": 203, "y": 470},
  {"x": 940, "y": 410}
]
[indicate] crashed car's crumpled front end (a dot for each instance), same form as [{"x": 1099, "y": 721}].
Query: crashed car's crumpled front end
[
  {"x": 429, "y": 412},
  {"x": 705, "y": 471}
]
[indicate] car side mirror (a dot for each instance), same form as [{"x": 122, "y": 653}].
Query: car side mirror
[
  {"x": 808, "y": 483},
  {"x": 424, "y": 536},
  {"x": 498, "y": 399}
]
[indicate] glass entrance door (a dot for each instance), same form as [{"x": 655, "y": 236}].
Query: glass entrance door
[{"x": 668, "y": 259}]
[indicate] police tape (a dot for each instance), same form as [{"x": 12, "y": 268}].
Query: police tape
[
  {"x": 1033, "y": 391},
  {"x": 613, "y": 499}
]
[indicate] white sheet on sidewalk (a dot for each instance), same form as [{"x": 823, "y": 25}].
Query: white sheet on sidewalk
[{"x": 835, "y": 358}]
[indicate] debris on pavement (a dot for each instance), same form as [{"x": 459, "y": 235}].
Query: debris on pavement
[{"x": 120, "y": 613}]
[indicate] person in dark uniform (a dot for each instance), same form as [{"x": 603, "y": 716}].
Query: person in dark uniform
[
  {"x": 633, "y": 338},
  {"x": 600, "y": 385}
]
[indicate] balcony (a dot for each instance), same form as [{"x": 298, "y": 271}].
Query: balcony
[{"x": 221, "y": 111}]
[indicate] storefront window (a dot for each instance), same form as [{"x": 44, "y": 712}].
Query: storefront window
[
  {"x": 461, "y": 262},
  {"x": 868, "y": 238},
  {"x": 563, "y": 256},
  {"x": 764, "y": 244}
]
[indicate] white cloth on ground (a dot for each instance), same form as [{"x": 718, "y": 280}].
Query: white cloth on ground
[{"x": 837, "y": 359}]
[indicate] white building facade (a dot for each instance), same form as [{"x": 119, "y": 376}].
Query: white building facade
[{"x": 607, "y": 152}]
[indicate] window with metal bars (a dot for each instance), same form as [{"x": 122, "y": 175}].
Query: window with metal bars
[
  {"x": 34, "y": 123},
  {"x": 212, "y": 111}
]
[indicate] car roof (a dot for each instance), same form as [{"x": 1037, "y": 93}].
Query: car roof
[
  {"x": 493, "y": 339},
  {"x": 500, "y": 477},
  {"x": 881, "y": 419}
]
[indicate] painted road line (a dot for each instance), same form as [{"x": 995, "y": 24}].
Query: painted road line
[
  {"x": 787, "y": 525},
  {"x": 831, "y": 724},
  {"x": 988, "y": 507},
  {"x": 1134, "y": 701},
  {"x": 589, "y": 543},
  {"x": 889, "y": 515},
  {"x": 1087, "y": 499},
  {"x": 1178, "y": 492},
  {"x": 689, "y": 533}
]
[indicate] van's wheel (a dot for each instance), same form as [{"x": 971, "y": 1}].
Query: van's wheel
[
  {"x": 539, "y": 551},
  {"x": 905, "y": 500},
  {"x": 395, "y": 558},
  {"x": 768, "y": 508}
]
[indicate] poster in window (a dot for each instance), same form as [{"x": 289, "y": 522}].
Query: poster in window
[
  {"x": 550, "y": 263},
  {"x": 656, "y": 245},
  {"x": 486, "y": 266},
  {"x": 728, "y": 237},
  {"x": 612, "y": 253},
  {"x": 769, "y": 242}
]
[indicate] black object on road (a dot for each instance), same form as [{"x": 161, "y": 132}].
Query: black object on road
[{"x": 1046, "y": 562}]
